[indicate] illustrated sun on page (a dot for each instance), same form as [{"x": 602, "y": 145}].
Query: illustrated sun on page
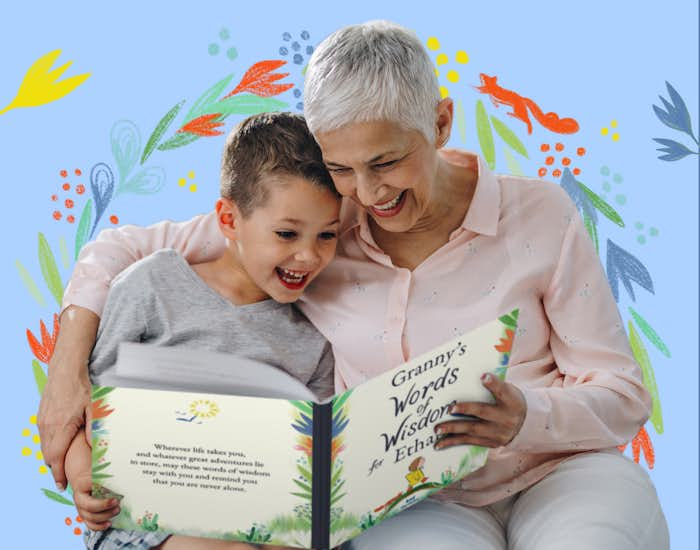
[{"x": 198, "y": 410}]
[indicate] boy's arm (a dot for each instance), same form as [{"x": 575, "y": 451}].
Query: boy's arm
[
  {"x": 65, "y": 401},
  {"x": 96, "y": 512},
  {"x": 321, "y": 382}
]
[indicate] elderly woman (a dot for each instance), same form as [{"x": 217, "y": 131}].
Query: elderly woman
[{"x": 432, "y": 245}]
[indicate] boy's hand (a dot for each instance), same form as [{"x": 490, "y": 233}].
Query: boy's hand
[
  {"x": 95, "y": 512},
  {"x": 494, "y": 425}
]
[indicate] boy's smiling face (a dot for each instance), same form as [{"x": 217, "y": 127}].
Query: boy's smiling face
[{"x": 285, "y": 243}]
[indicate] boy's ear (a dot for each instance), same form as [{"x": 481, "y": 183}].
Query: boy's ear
[{"x": 227, "y": 214}]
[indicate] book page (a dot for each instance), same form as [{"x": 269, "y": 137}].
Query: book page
[
  {"x": 383, "y": 459},
  {"x": 180, "y": 468}
]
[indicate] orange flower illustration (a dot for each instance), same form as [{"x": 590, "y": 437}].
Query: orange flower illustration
[
  {"x": 44, "y": 351},
  {"x": 642, "y": 442},
  {"x": 506, "y": 343},
  {"x": 99, "y": 410},
  {"x": 259, "y": 80},
  {"x": 305, "y": 445},
  {"x": 205, "y": 125},
  {"x": 336, "y": 447}
]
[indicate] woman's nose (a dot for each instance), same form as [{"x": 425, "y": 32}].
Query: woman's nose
[{"x": 366, "y": 190}]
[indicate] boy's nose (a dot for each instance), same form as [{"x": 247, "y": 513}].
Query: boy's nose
[{"x": 309, "y": 255}]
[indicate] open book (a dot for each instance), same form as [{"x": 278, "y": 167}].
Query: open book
[{"x": 270, "y": 464}]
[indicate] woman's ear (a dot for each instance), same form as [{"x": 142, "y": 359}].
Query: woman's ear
[
  {"x": 443, "y": 125},
  {"x": 226, "y": 215}
]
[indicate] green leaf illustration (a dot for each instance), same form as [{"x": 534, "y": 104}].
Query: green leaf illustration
[
  {"x": 63, "y": 248},
  {"x": 245, "y": 104},
  {"x": 161, "y": 128},
  {"x": 58, "y": 498},
  {"x": 39, "y": 376},
  {"x": 605, "y": 209},
  {"x": 640, "y": 354},
  {"x": 84, "y": 225},
  {"x": 29, "y": 283},
  {"x": 336, "y": 489},
  {"x": 461, "y": 121},
  {"x": 97, "y": 455},
  {"x": 512, "y": 163},
  {"x": 49, "y": 269},
  {"x": 304, "y": 407},
  {"x": 100, "y": 392},
  {"x": 483, "y": 131},
  {"x": 178, "y": 140},
  {"x": 508, "y": 136},
  {"x": 336, "y": 475},
  {"x": 340, "y": 401},
  {"x": 303, "y": 486},
  {"x": 148, "y": 181},
  {"x": 304, "y": 473},
  {"x": 509, "y": 321},
  {"x": 207, "y": 99},
  {"x": 592, "y": 230},
  {"x": 337, "y": 498},
  {"x": 99, "y": 467},
  {"x": 650, "y": 333}
]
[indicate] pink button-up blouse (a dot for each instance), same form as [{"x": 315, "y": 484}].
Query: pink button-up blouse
[{"x": 522, "y": 244}]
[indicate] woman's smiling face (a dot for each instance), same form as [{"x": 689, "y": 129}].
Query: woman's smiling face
[{"x": 386, "y": 169}]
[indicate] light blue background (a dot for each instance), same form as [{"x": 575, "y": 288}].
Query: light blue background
[{"x": 594, "y": 61}]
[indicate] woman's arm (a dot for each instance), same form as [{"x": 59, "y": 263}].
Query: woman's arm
[
  {"x": 66, "y": 397},
  {"x": 597, "y": 399},
  {"x": 601, "y": 400},
  {"x": 114, "y": 250},
  {"x": 65, "y": 401}
]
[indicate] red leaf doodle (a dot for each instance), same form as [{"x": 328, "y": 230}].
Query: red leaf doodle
[
  {"x": 205, "y": 125},
  {"x": 506, "y": 343},
  {"x": 642, "y": 443},
  {"x": 99, "y": 410},
  {"x": 259, "y": 80},
  {"x": 44, "y": 350}
]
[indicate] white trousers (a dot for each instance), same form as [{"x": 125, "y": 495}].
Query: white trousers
[{"x": 600, "y": 501}]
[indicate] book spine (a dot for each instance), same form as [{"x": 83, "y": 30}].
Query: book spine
[{"x": 321, "y": 476}]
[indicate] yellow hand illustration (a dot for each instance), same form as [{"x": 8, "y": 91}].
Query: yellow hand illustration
[{"x": 40, "y": 84}]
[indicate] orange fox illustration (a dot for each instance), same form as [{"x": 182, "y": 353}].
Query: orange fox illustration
[{"x": 521, "y": 105}]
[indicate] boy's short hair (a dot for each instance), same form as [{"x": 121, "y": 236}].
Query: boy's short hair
[
  {"x": 370, "y": 72},
  {"x": 264, "y": 145}
]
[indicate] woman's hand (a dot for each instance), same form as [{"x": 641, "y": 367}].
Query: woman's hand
[
  {"x": 494, "y": 425},
  {"x": 65, "y": 402}
]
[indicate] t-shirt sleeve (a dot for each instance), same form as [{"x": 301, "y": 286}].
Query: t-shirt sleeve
[
  {"x": 602, "y": 401},
  {"x": 321, "y": 382},
  {"x": 123, "y": 320},
  {"x": 114, "y": 250}
]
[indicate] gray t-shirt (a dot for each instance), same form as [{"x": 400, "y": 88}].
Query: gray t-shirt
[{"x": 160, "y": 300}]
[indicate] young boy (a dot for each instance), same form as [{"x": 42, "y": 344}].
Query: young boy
[{"x": 279, "y": 213}]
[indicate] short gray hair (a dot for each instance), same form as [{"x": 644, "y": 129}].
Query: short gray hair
[{"x": 374, "y": 71}]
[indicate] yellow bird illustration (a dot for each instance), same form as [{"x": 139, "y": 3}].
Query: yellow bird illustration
[{"x": 41, "y": 85}]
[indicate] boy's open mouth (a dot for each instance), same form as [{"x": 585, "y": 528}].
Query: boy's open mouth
[
  {"x": 389, "y": 208},
  {"x": 293, "y": 280}
]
